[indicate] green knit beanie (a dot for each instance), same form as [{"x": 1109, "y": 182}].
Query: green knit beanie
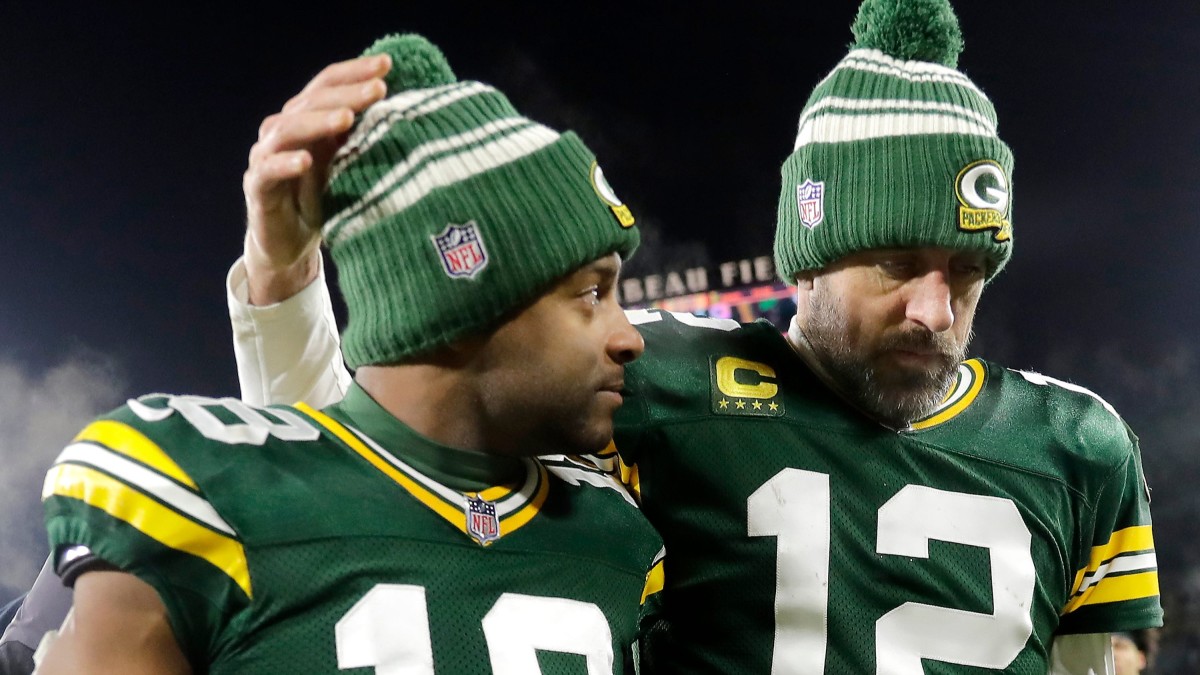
[
  {"x": 446, "y": 210},
  {"x": 896, "y": 148}
]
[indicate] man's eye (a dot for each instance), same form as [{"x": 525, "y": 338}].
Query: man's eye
[
  {"x": 592, "y": 295},
  {"x": 970, "y": 270},
  {"x": 899, "y": 269}
]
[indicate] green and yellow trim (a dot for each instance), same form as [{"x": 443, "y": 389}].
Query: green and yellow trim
[
  {"x": 148, "y": 516},
  {"x": 655, "y": 579},
  {"x": 627, "y": 474},
  {"x": 971, "y": 378},
  {"x": 124, "y": 439},
  {"x": 453, "y": 510},
  {"x": 1124, "y": 568}
]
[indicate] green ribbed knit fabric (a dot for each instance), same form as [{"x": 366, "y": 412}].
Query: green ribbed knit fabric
[
  {"x": 895, "y": 148},
  {"x": 447, "y": 210}
]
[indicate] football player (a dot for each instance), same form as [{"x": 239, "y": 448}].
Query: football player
[
  {"x": 407, "y": 528},
  {"x": 858, "y": 496}
]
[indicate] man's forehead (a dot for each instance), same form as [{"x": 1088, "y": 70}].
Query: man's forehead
[
  {"x": 918, "y": 251},
  {"x": 606, "y": 265}
]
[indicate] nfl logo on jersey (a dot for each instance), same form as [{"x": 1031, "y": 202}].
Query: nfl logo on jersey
[
  {"x": 461, "y": 249},
  {"x": 482, "y": 523},
  {"x": 810, "y": 199}
]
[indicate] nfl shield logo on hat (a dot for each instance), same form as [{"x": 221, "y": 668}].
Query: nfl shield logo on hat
[
  {"x": 810, "y": 198},
  {"x": 461, "y": 249},
  {"x": 482, "y": 523}
]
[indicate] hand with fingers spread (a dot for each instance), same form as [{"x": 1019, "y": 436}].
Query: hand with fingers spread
[{"x": 287, "y": 171}]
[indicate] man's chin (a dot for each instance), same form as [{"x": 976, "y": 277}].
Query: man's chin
[
  {"x": 903, "y": 395},
  {"x": 592, "y": 437}
]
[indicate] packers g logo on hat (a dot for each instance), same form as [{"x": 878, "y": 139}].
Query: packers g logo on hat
[
  {"x": 982, "y": 190},
  {"x": 605, "y": 191}
]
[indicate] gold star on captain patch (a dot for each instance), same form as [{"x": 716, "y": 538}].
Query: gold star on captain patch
[
  {"x": 757, "y": 405},
  {"x": 741, "y": 405},
  {"x": 773, "y": 406},
  {"x": 723, "y": 403}
]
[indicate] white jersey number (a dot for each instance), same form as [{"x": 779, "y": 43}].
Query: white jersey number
[
  {"x": 388, "y": 629},
  {"x": 794, "y": 507},
  {"x": 252, "y": 426}
]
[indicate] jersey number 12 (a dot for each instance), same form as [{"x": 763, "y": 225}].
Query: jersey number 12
[{"x": 793, "y": 507}]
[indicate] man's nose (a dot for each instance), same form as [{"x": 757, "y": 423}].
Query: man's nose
[
  {"x": 929, "y": 302},
  {"x": 625, "y": 343}
]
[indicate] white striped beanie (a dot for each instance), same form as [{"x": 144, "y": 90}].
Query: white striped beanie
[
  {"x": 896, "y": 149},
  {"x": 447, "y": 211}
]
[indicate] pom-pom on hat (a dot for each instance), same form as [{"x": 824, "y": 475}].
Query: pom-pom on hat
[
  {"x": 446, "y": 210},
  {"x": 896, "y": 149}
]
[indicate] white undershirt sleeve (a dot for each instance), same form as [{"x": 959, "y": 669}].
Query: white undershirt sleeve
[
  {"x": 1089, "y": 654},
  {"x": 289, "y": 351}
]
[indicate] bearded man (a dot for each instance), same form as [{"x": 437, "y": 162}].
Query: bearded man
[{"x": 855, "y": 496}]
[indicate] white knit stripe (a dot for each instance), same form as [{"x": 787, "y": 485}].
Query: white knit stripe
[
  {"x": 851, "y": 128},
  {"x": 1143, "y": 562},
  {"x": 378, "y": 119},
  {"x": 875, "y": 61},
  {"x": 471, "y": 89},
  {"x": 894, "y": 104},
  {"x": 443, "y": 172},
  {"x": 400, "y": 172},
  {"x": 922, "y": 78},
  {"x": 926, "y": 67},
  {"x": 148, "y": 481},
  {"x": 393, "y": 106}
]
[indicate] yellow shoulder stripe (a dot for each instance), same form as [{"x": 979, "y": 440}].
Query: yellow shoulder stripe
[
  {"x": 1124, "y": 568},
  {"x": 122, "y": 438},
  {"x": 1128, "y": 540},
  {"x": 1117, "y": 589},
  {"x": 156, "y": 521},
  {"x": 654, "y": 581}
]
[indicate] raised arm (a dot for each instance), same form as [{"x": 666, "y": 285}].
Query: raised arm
[
  {"x": 285, "y": 336},
  {"x": 287, "y": 171}
]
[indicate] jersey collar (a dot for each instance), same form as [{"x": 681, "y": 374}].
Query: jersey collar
[{"x": 462, "y": 470}]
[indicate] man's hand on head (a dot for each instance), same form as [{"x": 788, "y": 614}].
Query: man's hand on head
[{"x": 287, "y": 171}]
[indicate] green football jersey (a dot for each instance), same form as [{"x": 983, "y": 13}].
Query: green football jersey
[
  {"x": 290, "y": 540},
  {"x": 806, "y": 538}
]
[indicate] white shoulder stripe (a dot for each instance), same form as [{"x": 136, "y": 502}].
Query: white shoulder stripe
[
  {"x": 1045, "y": 380},
  {"x": 148, "y": 481},
  {"x": 1143, "y": 562}
]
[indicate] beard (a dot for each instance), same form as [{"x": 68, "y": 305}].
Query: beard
[{"x": 894, "y": 394}]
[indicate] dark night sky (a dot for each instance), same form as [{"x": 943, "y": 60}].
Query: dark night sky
[{"x": 123, "y": 136}]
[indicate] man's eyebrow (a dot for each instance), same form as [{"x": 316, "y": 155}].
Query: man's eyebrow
[{"x": 606, "y": 268}]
